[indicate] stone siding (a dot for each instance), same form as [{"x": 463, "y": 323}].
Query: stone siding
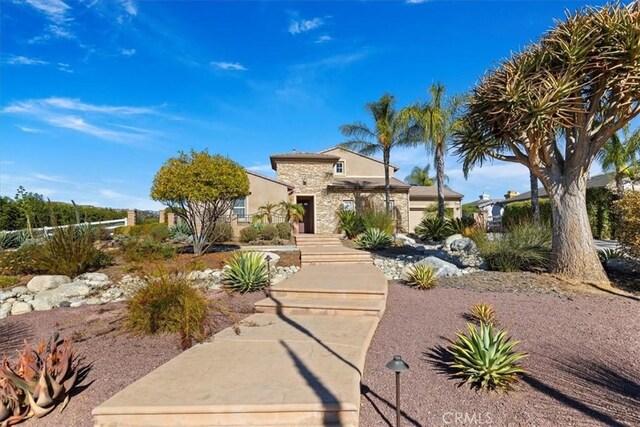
[{"x": 312, "y": 178}]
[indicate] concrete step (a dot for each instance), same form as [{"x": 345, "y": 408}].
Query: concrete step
[
  {"x": 335, "y": 257},
  {"x": 321, "y": 306},
  {"x": 319, "y": 293}
]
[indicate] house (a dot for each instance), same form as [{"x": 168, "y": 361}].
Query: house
[
  {"x": 491, "y": 209},
  {"x": 326, "y": 181}
]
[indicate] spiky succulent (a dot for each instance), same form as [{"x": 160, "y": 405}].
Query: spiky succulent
[
  {"x": 8, "y": 240},
  {"x": 606, "y": 254},
  {"x": 246, "y": 272},
  {"x": 421, "y": 276},
  {"x": 374, "y": 238},
  {"x": 434, "y": 229},
  {"x": 483, "y": 313},
  {"x": 486, "y": 359},
  {"x": 41, "y": 379}
]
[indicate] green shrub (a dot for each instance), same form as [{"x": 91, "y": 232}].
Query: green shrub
[
  {"x": 380, "y": 219},
  {"x": 246, "y": 272},
  {"x": 523, "y": 247},
  {"x": 8, "y": 281},
  {"x": 170, "y": 305},
  {"x": 628, "y": 212},
  {"x": 284, "y": 230},
  {"x": 486, "y": 359},
  {"x": 8, "y": 240},
  {"x": 222, "y": 232},
  {"x": 249, "y": 234},
  {"x": 432, "y": 212},
  {"x": 350, "y": 223},
  {"x": 374, "y": 238},
  {"x": 461, "y": 225},
  {"x": 269, "y": 232},
  {"x": 154, "y": 230},
  {"x": 141, "y": 249},
  {"x": 422, "y": 276},
  {"x": 69, "y": 251},
  {"x": 19, "y": 262},
  {"x": 434, "y": 229},
  {"x": 519, "y": 212}
]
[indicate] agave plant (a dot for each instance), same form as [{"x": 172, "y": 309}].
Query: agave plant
[
  {"x": 606, "y": 254},
  {"x": 350, "y": 222},
  {"x": 434, "y": 229},
  {"x": 374, "y": 238},
  {"x": 41, "y": 379},
  {"x": 246, "y": 272},
  {"x": 486, "y": 359},
  {"x": 8, "y": 240},
  {"x": 421, "y": 276},
  {"x": 483, "y": 313}
]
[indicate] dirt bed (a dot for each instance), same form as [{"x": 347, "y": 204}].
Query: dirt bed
[
  {"x": 117, "y": 358},
  {"x": 582, "y": 367}
]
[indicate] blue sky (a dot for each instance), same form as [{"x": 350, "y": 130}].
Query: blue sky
[{"x": 96, "y": 95}]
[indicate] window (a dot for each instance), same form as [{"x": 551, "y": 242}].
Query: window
[
  {"x": 348, "y": 205},
  {"x": 340, "y": 168},
  {"x": 240, "y": 209}
]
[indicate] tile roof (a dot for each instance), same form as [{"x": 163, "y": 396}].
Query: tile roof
[
  {"x": 596, "y": 181},
  {"x": 367, "y": 183},
  {"x": 301, "y": 155},
  {"x": 431, "y": 192}
]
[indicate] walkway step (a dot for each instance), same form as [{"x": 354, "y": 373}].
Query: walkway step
[
  {"x": 321, "y": 306},
  {"x": 314, "y": 366}
]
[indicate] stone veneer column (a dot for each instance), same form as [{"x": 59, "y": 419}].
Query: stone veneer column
[
  {"x": 171, "y": 218},
  {"x": 132, "y": 216}
]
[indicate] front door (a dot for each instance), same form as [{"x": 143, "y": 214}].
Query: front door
[{"x": 307, "y": 224}]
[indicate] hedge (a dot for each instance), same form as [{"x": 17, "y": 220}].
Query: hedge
[
  {"x": 628, "y": 214},
  {"x": 599, "y": 209}
]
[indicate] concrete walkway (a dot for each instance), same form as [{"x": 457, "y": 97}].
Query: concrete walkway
[{"x": 298, "y": 362}]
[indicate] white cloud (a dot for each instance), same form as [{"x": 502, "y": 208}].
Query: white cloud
[
  {"x": 29, "y": 130},
  {"x": 127, "y": 52},
  {"x": 64, "y": 67},
  {"x": 416, "y": 1},
  {"x": 54, "y": 10},
  {"x": 50, "y": 178},
  {"x": 129, "y": 6},
  {"x": 262, "y": 167},
  {"x": 304, "y": 25},
  {"x": 60, "y": 32},
  {"x": 324, "y": 39},
  {"x": 73, "y": 114},
  {"x": 233, "y": 66},
  {"x": 23, "y": 60}
]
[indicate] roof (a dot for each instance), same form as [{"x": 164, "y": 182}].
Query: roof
[
  {"x": 483, "y": 202},
  {"x": 301, "y": 155},
  {"x": 597, "y": 181},
  {"x": 367, "y": 184},
  {"x": 431, "y": 192},
  {"x": 339, "y": 147},
  {"x": 289, "y": 186}
]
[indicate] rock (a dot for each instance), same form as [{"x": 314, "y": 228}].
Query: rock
[
  {"x": 463, "y": 244},
  {"x": 5, "y": 309},
  {"x": 48, "y": 299},
  {"x": 65, "y": 304},
  {"x": 25, "y": 297},
  {"x": 88, "y": 301},
  {"x": 43, "y": 283},
  {"x": 449, "y": 240},
  {"x": 20, "y": 307},
  {"x": 443, "y": 268},
  {"x": 20, "y": 290},
  {"x": 408, "y": 240},
  {"x": 623, "y": 265},
  {"x": 7, "y": 294},
  {"x": 94, "y": 280}
]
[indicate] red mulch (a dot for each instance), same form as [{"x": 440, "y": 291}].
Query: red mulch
[
  {"x": 116, "y": 357},
  {"x": 583, "y": 360}
]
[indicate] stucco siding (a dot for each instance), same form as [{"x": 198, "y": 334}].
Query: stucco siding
[
  {"x": 264, "y": 191},
  {"x": 417, "y": 208},
  {"x": 357, "y": 165}
]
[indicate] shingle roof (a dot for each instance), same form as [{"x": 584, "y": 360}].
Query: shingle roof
[
  {"x": 301, "y": 155},
  {"x": 431, "y": 192},
  {"x": 367, "y": 184},
  {"x": 597, "y": 181},
  {"x": 338, "y": 147}
]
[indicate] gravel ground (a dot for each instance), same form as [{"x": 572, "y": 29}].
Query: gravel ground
[
  {"x": 116, "y": 357},
  {"x": 583, "y": 359}
]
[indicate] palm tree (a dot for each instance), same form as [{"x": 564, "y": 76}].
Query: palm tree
[
  {"x": 621, "y": 157},
  {"x": 420, "y": 176},
  {"x": 265, "y": 212},
  {"x": 437, "y": 120},
  {"x": 292, "y": 212},
  {"x": 391, "y": 129}
]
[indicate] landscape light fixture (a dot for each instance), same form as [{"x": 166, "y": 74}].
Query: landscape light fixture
[
  {"x": 267, "y": 259},
  {"x": 398, "y": 366}
]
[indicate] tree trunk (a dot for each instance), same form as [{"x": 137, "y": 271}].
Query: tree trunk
[
  {"x": 535, "y": 201},
  {"x": 573, "y": 250},
  {"x": 439, "y": 161},
  {"x": 619, "y": 185},
  {"x": 387, "y": 191}
]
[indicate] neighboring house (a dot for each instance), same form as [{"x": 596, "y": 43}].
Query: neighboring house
[
  {"x": 422, "y": 198},
  {"x": 332, "y": 179},
  {"x": 491, "y": 209}
]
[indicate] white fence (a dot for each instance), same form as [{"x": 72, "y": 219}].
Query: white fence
[{"x": 107, "y": 225}]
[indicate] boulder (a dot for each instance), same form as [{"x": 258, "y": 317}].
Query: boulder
[
  {"x": 20, "y": 290},
  {"x": 43, "y": 283},
  {"x": 50, "y": 298},
  {"x": 406, "y": 239},
  {"x": 442, "y": 267},
  {"x": 20, "y": 307},
  {"x": 7, "y": 294},
  {"x": 273, "y": 258},
  {"x": 5, "y": 309},
  {"x": 449, "y": 240},
  {"x": 94, "y": 280},
  {"x": 464, "y": 244}
]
